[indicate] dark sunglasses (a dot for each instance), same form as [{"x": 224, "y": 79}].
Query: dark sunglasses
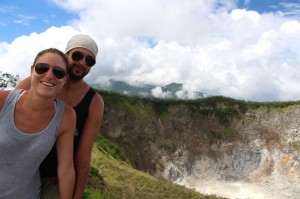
[
  {"x": 89, "y": 61},
  {"x": 41, "y": 68}
]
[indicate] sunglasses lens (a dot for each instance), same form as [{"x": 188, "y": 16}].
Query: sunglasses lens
[
  {"x": 41, "y": 68},
  {"x": 59, "y": 72},
  {"x": 76, "y": 56},
  {"x": 90, "y": 61}
]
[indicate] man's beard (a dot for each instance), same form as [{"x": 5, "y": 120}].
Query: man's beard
[{"x": 75, "y": 77}]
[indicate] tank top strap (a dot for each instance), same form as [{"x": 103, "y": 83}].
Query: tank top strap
[{"x": 10, "y": 100}]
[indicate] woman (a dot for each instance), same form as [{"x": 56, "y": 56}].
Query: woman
[{"x": 30, "y": 123}]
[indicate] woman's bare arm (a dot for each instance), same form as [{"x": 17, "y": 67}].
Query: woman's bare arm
[{"x": 65, "y": 170}]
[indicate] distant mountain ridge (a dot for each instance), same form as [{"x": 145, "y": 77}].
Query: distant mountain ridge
[{"x": 170, "y": 91}]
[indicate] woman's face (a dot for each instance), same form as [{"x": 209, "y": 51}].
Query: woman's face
[{"x": 48, "y": 74}]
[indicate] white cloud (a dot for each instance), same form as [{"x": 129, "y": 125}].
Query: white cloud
[
  {"x": 17, "y": 57},
  {"x": 211, "y": 47},
  {"x": 158, "y": 92},
  {"x": 24, "y": 20}
]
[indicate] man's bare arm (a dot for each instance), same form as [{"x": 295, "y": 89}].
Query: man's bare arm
[
  {"x": 83, "y": 154},
  {"x": 24, "y": 84}
]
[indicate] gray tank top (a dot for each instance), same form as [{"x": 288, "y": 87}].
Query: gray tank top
[{"x": 22, "y": 153}]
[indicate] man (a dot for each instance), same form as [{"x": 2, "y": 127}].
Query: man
[{"x": 81, "y": 52}]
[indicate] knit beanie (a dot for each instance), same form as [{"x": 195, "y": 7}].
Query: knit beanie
[{"x": 82, "y": 41}]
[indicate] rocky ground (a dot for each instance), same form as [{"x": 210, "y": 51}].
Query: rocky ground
[{"x": 251, "y": 155}]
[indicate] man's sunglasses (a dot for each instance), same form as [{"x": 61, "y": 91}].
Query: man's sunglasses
[
  {"x": 41, "y": 68},
  {"x": 89, "y": 61}
]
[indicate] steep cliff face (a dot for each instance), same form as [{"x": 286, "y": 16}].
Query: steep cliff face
[{"x": 221, "y": 149}]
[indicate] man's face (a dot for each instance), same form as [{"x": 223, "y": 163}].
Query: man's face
[{"x": 80, "y": 62}]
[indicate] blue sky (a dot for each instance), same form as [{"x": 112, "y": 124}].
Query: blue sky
[
  {"x": 262, "y": 6},
  {"x": 21, "y": 17},
  {"x": 247, "y": 49}
]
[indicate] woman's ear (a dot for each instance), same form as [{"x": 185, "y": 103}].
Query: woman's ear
[{"x": 31, "y": 68}]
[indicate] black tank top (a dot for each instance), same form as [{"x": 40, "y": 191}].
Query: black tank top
[{"x": 48, "y": 168}]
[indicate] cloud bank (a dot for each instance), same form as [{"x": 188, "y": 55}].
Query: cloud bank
[{"x": 210, "y": 46}]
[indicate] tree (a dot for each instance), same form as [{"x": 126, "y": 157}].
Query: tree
[{"x": 8, "y": 80}]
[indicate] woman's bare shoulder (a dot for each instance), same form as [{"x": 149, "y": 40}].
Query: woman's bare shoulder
[{"x": 3, "y": 96}]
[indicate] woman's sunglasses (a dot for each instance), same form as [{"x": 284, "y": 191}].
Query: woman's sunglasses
[
  {"x": 89, "y": 61},
  {"x": 41, "y": 68}
]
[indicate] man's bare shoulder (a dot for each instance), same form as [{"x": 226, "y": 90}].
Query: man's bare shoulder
[
  {"x": 97, "y": 101},
  {"x": 24, "y": 84}
]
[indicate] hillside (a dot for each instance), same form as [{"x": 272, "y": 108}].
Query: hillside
[
  {"x": 114, "y": 178},
  {"x": 215, "y": 145}
]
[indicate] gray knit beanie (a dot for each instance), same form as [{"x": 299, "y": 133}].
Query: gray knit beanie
[{"x": 82, "y": 41}]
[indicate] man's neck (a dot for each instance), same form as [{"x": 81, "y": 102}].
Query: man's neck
[
  {"x": 74, "y": 84},
  {"x": 73, "y": 92}
]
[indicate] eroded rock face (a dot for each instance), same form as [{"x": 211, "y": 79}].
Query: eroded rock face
[{"x": 260, "y": 147}]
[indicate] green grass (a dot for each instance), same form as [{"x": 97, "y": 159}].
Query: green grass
[{"x": 113, "y": 178}]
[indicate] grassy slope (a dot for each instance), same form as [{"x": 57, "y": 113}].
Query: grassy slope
[{"x": 119, "y": 180}]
